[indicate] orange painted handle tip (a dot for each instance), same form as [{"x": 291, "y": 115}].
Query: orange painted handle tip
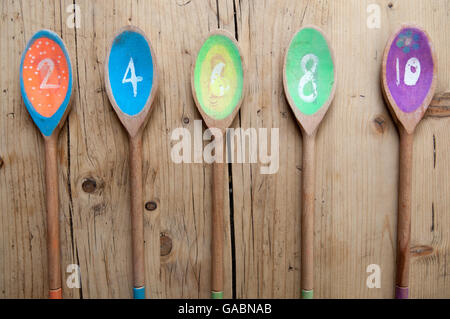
[{"x": 55, "y": 294}]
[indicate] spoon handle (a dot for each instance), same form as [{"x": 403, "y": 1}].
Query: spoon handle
[
  {"x": 53, "y": 246},
  {"x": 307, "y": 217},
  {"x": 217, "y": 231},
  {"x": 404, "y": 214},
  {"x": 137, "y": 218}
]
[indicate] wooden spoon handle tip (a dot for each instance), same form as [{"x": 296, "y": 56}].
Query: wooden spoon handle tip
[
  {"x": 55, "y": 294},
  {"x": 401, "y": 292},
  {"x": 216, "y": 294},
  {"x": 307, "y": 294}
]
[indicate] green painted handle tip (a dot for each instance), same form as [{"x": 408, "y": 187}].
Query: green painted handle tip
[
  {"x": 216, "y": 294},
  {"x": 307, "y": 294}
]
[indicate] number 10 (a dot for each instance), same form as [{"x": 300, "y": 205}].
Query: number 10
[{"x": 410, "y": 78}]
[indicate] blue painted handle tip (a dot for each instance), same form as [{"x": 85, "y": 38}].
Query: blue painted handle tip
[{"x": 139, "y": 293}]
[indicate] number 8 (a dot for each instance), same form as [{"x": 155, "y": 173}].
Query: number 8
[{"x": 308, "y": 77}]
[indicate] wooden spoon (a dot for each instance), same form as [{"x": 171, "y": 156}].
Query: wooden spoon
[
  {"x": 46, "y": 87},
  {"x": 309, "y": 78},
  {"x": 131, "y": 79},
  {"x": 218, "y": 89},
  {"x": 409, "y": 74}
]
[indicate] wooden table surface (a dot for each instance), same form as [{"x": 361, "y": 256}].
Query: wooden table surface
[{"x": 356, "y": 168}]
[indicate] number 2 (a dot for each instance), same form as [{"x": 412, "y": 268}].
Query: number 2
[{"x": 51, "y": 67}]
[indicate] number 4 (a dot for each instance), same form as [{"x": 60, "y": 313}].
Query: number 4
[{"x": 133, "y": 79}]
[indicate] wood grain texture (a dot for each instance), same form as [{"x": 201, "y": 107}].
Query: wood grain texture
[
  {"x": 356, "y": 158},
  {"x": 439, "y": 106}
]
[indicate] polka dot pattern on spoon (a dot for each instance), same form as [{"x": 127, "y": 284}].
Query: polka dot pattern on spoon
[{"x": 45, "y": 71}]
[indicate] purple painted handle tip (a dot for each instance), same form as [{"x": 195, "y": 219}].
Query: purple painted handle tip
[{"x": 401, "y": 292}]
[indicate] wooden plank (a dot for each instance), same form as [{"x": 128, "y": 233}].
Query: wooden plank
[
  {"x": 356, "y": 179},
  {"x": 356, "y": 173}
]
